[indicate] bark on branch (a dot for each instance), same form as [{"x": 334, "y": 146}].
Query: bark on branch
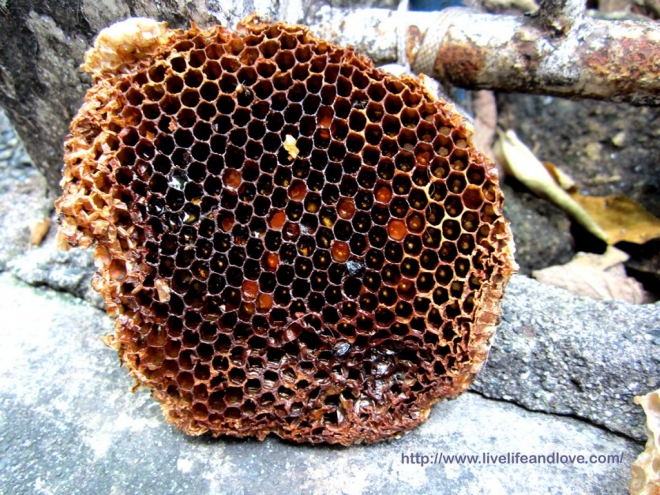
[{"x": 558, "y": 51}]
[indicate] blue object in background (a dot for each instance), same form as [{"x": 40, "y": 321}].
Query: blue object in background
[{"x": 433, "y": 5}]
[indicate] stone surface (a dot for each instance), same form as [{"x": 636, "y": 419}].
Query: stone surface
[
  {"x": 42, "y": 43},
  {"x": 23, "y": 198},
  {"x": 570, "y": 355},
  {"x": 541, "y": 231},
  {"x": 68, "y": 424},
  {"x": 65, "y": 271}
]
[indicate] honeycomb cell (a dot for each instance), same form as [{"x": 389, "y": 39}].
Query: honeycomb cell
[{"x": 297, "y": 243}]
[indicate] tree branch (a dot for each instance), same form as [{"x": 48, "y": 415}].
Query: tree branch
[{"x": 557, "y": 51}]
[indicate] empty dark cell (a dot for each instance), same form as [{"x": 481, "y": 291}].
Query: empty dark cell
[
  {"x": 339, "y": 129},
  {"x": 293, "y": 113},
  {"x": 342, "y": 108},
  {"x": 221, "y": 242},
  {"x": 342, "y": 230},
  {"x": 301, "y": 288},
  {"x": 405, "y": 161},
  {"x": 125, "y": 176},
  {"x": 387, "y": 296},
  {"x": 368, "y": 302},
  {"x": 372, "y": 280},
  {"x": 420, "y": 176},
  {"x": 336, "y": 273},
  {"x": 391, "y": 274},
  {"x": 228, "y": 199},
  {"x": 274, "y": 123},
  {"x": 267, "y": 282},
  {"x": 399, "y": 207},
  {"x": 412, "y": 245},
  {"x": 190, "y": 98},
  {"x": 384, "y": 316},
  {"x": 247, "y": 191},
  {"x": 425, "y": 282},
  {"x": 417, "y": 199},
  {"x": 261, "y": 204},
  {"x": 243, "y": 213},
  {"x": 330, "y": 315},
  {"x": 434, "y": 214},
  {"x": 333, "y": 294},
  {"x": 297, "y": 92},
  {"x": 380, "y": 215},
  {"x": 282, "y": 296},
  {"x": 393, "y": 252},
  {"x": 431, "y": 238},
  {"x": 247, "y": 76},
  {"x": 451, "y": 229},
  {"x": 287, "y": 252},
  {"x": 333, "y": 172},
  {"x": 200, "y": 152},
  {"x": 344, "y": 86},
  {"x": 361, "y": 222},
  {"x": 174, "y": 199},
  {"x": 357, "y": 121},
  {"x": 352, "y": 286},
  {"x": 237, "y": 256},
  {"x": 193, "y": 191},
  {"x": 169, "y": 104},
  {"x": 377, "y": 237},
  {"x": 279, "y": 101},
  {"x": 238, "y": 137},
  {"x": 318, "y": 280},
  {"x": 279, "y": 197},
  {"x": 321, "y": 138},
  {"x": 358, "y": 244},
  {"x": 234, "y": 157}
]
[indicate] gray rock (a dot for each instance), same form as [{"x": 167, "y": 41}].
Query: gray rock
[
  {"x": 66, "y": 271},
  {"x": 41, "y": 48},
  {"x": 23, "y": 198},
  {"x": 564, "y": 354},
  {"x": 541, "y": 231},
  {"x": 69, "y": 425}
]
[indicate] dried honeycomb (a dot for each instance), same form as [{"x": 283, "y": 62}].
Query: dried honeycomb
[{"x": 290, "y": 240}]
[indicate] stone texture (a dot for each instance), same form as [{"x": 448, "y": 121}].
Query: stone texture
[
  {"x": 68, "y": 424},
  {"x": 42, "y": 43},
  {"x": 23, "y": 198},
  {"x": 541, "y": 231},
  {"x": 570, "y": 355}
]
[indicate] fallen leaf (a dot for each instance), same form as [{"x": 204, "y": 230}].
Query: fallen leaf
[
  {"x": 601, "y": 277},
  {"x": 645, "y": 475},
  {"x": 38, "y": 231},
  {"x": 621, "y": 218},
  {"x": 611, "y": 258},
  {"x": 562, "y": 179},
  {"x": 519, "y": 161}
]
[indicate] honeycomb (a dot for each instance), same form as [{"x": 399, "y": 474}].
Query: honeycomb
[{"x": 290, "y": 240}]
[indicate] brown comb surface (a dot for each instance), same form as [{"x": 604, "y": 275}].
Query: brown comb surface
[{"x": 290, "y": 240}]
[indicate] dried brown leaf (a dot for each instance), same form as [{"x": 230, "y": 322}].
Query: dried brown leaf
[
  {"x": 38, "y": 231},
  {"x": 621, "y": 218},
  {"x": 598, "y": 276},
  {"x": 519, "y": 161}
]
